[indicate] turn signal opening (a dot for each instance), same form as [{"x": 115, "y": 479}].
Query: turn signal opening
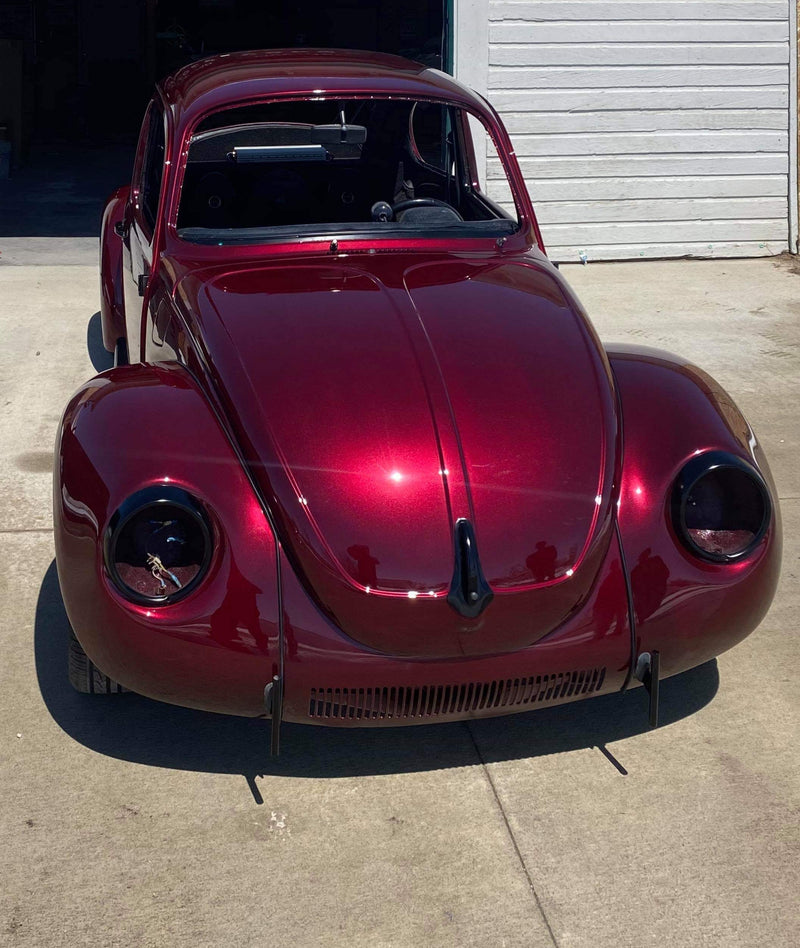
[
  {"x": 721, "y": 507},
  {"x": 158, "y": 545}
]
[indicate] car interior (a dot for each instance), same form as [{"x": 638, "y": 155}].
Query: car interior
[{"x": 373, "y": 165}]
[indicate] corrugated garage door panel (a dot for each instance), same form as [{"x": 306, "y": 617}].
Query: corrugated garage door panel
[{"x": 650, "y": 127}]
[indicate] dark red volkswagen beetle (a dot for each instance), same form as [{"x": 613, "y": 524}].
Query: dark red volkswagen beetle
[{"x": 362, "y": 459}]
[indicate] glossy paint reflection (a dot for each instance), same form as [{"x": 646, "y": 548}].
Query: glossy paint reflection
[
  {"x": 542, "y": 563},
  {"x": 402, "y": 439},
  {"x": 348, "y": 403},
  {"x": 649, "y": 578},
  {"x": 215, "y": 648},
  {"x": 687, "y": 608},
  {"x": 595, "y": 636}
]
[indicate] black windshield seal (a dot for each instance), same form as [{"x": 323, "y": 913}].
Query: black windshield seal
[{"x": 224, "y": 237}]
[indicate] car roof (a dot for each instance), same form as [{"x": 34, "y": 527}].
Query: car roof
[{"x": 220, "y": 81}]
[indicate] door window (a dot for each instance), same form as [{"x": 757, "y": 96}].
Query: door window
[
  {"x": 431, "y": 132},
  {"x": 153, "y": 168}
]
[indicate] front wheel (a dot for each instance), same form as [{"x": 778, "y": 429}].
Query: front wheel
[{"x": 85, "y": 676}]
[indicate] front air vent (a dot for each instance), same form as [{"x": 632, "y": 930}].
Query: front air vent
[{"x": 432, "y": 701}]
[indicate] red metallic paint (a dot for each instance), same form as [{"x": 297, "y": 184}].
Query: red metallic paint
[
  {"x": 687, "y": 608},
  {"x": 112, "y": 297},
  {"x": 352, "y": 391},
  {"x": 130, "y": 428},
  {"x": 319, "y": 656},
  {"x": 339, "y": 411}
]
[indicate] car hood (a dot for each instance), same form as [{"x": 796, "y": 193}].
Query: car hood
[{"x": 380, "y": 399}]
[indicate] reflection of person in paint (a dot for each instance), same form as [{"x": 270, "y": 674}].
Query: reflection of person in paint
[
  {"x": 542, "y": 562},
  {"x": 237, "y": 622},
  {"x": 366, "y": 574},
  {"x": 649, "y": 583},
  {"x": 611, "y": 607}
]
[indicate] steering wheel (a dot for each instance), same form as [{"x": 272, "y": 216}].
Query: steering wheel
[{"x": 423, "y": 202}]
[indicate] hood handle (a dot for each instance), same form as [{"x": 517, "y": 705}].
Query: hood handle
[{"x": 469, "y": 592}]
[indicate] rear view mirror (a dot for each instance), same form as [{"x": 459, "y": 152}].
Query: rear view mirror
[{"x": 338, "y": 134}]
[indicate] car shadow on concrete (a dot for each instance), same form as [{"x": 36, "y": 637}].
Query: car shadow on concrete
[{"x": 130, "y": 727}]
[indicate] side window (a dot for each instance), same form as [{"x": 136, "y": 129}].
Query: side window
[
  {"x": 431, "y": 131},
  {"x": 489, "y": 177},
  {"x": 153, "y": 169}
]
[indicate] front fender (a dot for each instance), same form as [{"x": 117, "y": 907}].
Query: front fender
[
  {"x": 112, "y": 295},
  {"x": 135, "y": 427},
  {"x": 689, "y": 609}
]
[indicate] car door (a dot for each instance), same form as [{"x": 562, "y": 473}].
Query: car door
[{"x": 141, "y": 224}]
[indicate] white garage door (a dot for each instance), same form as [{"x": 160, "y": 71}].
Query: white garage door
[{"x": 649, "y": 128}]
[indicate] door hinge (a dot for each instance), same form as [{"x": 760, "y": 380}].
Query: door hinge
[{"x": 142, "y": 282}]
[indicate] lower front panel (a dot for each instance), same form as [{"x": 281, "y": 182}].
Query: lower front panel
[
  {"x": 332, "y": 680},
  {"x": 397, "y": 705}
]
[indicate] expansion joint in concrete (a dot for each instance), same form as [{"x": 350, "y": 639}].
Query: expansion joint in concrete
[
  {"x": 28, "y": 530},
  {"x": 512, "y": 837}
]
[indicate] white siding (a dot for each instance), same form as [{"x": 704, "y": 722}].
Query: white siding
[{"x": 651, "y": 128}]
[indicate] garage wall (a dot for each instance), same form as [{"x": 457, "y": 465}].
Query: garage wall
[{"x": 645, "y": 128}]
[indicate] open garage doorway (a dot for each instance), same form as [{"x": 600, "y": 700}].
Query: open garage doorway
[
  {"x": 87, "y": 67},
  {"x": 190, "y": 29},
  {"x": 76, "y": 76}
]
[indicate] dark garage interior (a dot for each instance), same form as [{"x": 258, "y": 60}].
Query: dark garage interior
[
  {"x": 82, "y": 69},
  {"x": 76, "y": 75}
]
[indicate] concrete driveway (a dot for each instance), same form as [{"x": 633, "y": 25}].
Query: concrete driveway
[{"x": 125, "y": 822}]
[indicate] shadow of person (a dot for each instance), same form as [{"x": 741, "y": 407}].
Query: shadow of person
[
  {"x": 542, "y": 562},
  {"x": 100, "y": 357},
  {"x": 130, "y": 727}
]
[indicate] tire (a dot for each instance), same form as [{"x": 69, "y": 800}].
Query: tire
[{"x": 85, "y": 676}]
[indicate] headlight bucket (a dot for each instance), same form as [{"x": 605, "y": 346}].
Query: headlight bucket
[
  {"x": 721, "y": 507},
  {"x": 158, "y": 545}
]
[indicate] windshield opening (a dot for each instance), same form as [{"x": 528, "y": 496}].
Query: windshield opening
[{"x": 362, "y": 167}]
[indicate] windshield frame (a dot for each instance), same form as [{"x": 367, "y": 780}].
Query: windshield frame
[{"x": 523, "y": 235}]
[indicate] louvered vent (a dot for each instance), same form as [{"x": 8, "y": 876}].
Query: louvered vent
[{"x": 430, "y": 701}]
